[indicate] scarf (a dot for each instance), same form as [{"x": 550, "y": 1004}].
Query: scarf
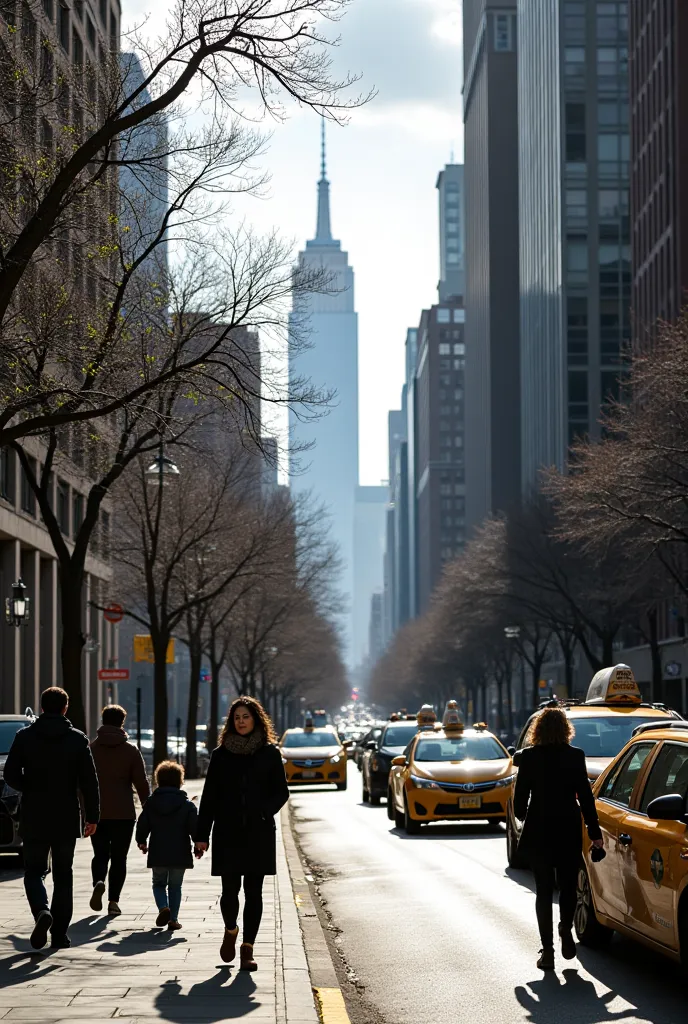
[{"x": 236, "y": 744}]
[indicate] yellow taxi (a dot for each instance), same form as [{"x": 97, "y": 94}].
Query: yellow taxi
[
  {"x": 641, "y": 887},
  {"x": 314, "y": 754},
  {"x": 449, "y": 774},
  {"x": 604, "y": 723}
]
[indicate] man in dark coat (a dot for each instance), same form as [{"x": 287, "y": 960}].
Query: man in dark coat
[
  {"x": 50, "y": 764},
  {"x": 120, "y": 770}
]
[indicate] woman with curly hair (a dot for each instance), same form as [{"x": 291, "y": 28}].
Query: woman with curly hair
[
  {"x": 244, "y": 789},
  {"x": 552, "y": 790}
]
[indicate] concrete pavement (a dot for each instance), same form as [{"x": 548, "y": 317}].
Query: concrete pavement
[{"x": 124, "y": 968}]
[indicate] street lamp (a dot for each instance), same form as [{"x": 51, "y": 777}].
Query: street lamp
[
  {"x": 17, "y": 607},
  {"x": 161, "y": 470},
  {"x": 513, "y": 633}
]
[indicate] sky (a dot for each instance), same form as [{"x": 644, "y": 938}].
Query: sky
[{"x": 382, "y": 166}]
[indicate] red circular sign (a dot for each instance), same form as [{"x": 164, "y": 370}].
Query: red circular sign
[{"x": 114, "y": 613}]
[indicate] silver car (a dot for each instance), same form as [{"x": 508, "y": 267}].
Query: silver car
[{"x": 10, "y": 799}]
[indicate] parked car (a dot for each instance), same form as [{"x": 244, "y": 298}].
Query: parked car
[{"x": 10, "y": 799}]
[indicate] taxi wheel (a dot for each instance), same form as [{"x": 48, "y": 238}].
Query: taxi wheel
[
  {"x": 411, "y": 826},
  {"x": 683, "y": 938},
  {"x": 588, "y": 929},
  {"x": 341, "y": 786},
  {"x": 398, "y": 816},
  {"x": 365, "y": 795},
  {"x": 375, "y": 799},
  {"x": 390, "y": 805}
]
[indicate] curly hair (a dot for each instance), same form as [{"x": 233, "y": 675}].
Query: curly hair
[
  {"x": 551, "y": 726},
  {"x": 262, "y": 720}
]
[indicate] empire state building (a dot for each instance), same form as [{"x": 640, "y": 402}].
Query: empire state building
[{"x": 329, "y": 469}]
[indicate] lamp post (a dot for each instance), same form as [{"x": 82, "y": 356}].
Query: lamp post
[
  {"x": 513, "y": 633},
  {"x": 18, "y": 606},
  {"x": 161, "y": 470}
]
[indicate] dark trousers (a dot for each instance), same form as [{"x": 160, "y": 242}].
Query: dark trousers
[
  {"x": 253, "y": 903},
  {"x": 549, "y": 873},
  {"x": 37, "y": 853},
  {"x": 111, "y": 842}
]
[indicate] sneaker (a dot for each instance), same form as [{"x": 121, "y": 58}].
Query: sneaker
[
  {"x": 568, "y": 946},
  {"x": 247, "y": 963},
  {"x": 546, "y": 959},
  {"x": 162, "y": 918},
  {"x": 228, "y": 947},
  {"x": 97, "y": 897},
  {"x": 113, "y": 908},
  {"x": 39, "y": 935},
  {"x": 60, "y": 942},
  {"x": 173, "y": 926}
]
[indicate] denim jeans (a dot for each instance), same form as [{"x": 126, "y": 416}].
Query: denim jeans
[
  {"x": 167, "y": 889},
  {"x": 36, "y": 856}
]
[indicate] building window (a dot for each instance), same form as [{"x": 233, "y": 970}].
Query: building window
[
  {"x": 576, "y": 204},
  {"x": 444, "y": 348},
  {"x": 62, "y": 507},
  {"x": 452, "y": 227},
  {"x": 48, "y": 9},
  {"x": 504, "y": 33},
  {"x": 77, "y": 512},
  {"x": 452, "y": 257},
  {"x": 459, "y": 349},
  {"x": 63, "y": 26},
  {"x": 27, "y": 497},
  {"x": 7, "y": 461},
  {"x": 574, "y": 61},
  {"x": 91, "y": 32},
  {"x": 104, "y": 13},
  {"x": 575, "y": 133},
  {"x": 105, "y": 534},
  {"x": 459, "y": 316},
  {"x": 443, "y": 316},
  {"x": 577, "y": 258}
]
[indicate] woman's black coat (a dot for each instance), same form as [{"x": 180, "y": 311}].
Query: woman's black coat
[
  {"x": 241, "y": 796},
  {"x": 552, "y": 789}
]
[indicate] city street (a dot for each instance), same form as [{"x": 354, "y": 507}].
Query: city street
[{"x": 434, "y": 929}]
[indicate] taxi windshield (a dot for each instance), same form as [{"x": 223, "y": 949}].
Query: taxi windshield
[
  {"x": 311, "y": 739},
  {"x": 604, "y": 737},
  {"x": 459, "y": 748},
  {"x": 399, "y": 735}
]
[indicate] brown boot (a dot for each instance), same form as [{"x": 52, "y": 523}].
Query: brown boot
[
  {"x": 246, "y": 957},
  {"x": 228, "y": 947}
]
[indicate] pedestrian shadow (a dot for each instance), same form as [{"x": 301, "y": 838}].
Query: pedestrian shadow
[
  {"x": 208, "y": 1000},
  {"x": 135, "y": 943},
  {"x": 523, "y": 877},
  {"x": 78, "y": 934},
  {"x": 571, "y": 998},
  {"x": 642, "y": 977},
  {"x": 24, "y": 967}
]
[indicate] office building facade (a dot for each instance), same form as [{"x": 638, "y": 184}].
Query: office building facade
[
  {"x": 370, "y": 515},
  {"x": 449, "y": 186},
  {"x": 658, "y": 43},
  {"x": 493, "y": 456},
  {"x": 574, "y": 223}
]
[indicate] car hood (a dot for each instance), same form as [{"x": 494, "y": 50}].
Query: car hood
[
  {"x": 464, "y": 771},
  {"x": 309, "y": 753},
  {"x": 392, "y": 751},
  {"x": 596, "y": 765}
]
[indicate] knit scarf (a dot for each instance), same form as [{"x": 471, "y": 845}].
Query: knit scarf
[{"x": 236, "y": 744}]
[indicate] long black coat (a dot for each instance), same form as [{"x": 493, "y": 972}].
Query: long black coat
[
  {"x": 241, "y": 796},
  {"x": 552, "y": 789},
  {"x": 169, "y": 818},
  {"x": 50, "y": 763}
]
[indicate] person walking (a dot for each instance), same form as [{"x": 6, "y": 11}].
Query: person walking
[
  {"x": 552, "y": 790},
  {"x": 120, "y": 769},
  {"x": 244, "y": 789},
  {"x": 165, "y": 831},
  {"x": 50, "y": 763}
]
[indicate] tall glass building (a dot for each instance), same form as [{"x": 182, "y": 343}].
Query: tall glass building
[{"x": 575, "y": 272}]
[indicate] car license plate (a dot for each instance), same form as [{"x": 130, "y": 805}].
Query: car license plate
[
  {"x": 309, "y": 775},
  {"x": 468, "y": 803}
]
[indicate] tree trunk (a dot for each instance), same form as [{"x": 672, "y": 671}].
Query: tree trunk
[
  {"x": 71, "y": 585},
  {"x": 160, "y": 710},
  {"x": 657, "y": 681},
  {"x": 196, "y": 658}
]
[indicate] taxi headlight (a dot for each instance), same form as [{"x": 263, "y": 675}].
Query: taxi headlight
[
  {"x": 285, "y": 761},
  {"x": 336, "y": 759},
  {"x": 506, "y": 781},
  {"x": 423, "y": 783}
]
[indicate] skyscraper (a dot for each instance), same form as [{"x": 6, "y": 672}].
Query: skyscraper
[
  {"x": 369, "y": 549},
  {"x": 574, "y": 245},
  {"x": 329, "y": 468},
  {"x": 452, "y": 280},
  {"x": 493, "y": 475}
]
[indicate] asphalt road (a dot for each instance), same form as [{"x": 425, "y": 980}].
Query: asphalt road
[{"x": 435, "y": 929}]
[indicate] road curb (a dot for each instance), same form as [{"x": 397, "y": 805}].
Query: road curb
[{"x": 326, "y": 989}]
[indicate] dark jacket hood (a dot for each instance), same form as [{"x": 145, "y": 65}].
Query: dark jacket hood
[
  {"x": 167, "y": 799},
  {"x": 51, "y": 727},
  {"x": 111, "y": 735}
]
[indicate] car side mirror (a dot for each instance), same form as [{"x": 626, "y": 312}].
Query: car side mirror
[
  {"x": 511, "y": 751},
  {"x": 667, "y": 808},
  {"x": 371, "y": 745},
  {"x": 347, "y": 743},
  {"x": 399, "y": 760}
]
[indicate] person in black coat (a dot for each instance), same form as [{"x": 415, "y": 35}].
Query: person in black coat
[
  {"x": 50, "y": 763},
  {"x": 552, "y": 789},
  {"x": 169, "y": 818},
  {"x": 244, "y": 789}
]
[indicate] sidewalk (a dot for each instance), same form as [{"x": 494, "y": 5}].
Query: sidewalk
[{"x": 125, "y": 968}]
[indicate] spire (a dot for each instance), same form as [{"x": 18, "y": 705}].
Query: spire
[{"x": 323, "y": 234}]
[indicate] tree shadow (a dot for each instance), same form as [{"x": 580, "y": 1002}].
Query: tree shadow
[
  {"x": 141, "y": 942},
  {"x": 208, "y": 1000},
  {"x": 573, "y": 999}
]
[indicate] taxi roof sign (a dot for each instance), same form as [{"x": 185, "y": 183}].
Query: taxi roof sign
[
  {"x": 615, "y": 685},
  {"x": 452, "y": 719},
  {"x": 426, "y": 717}
]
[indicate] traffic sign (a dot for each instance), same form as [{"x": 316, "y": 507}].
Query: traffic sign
[
  {"x": 114, "y": 613},
  {"x": 143, "y": 649},
  {"x": 112, "y": 674}
]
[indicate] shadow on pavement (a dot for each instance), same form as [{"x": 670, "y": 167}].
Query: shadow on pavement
[
  {"x": 463, "y": 832},
  {"x": 141, "y": 942},
  {"x": 208, "y": 1000},
  {"x": 644, "y": 978},
  {"x": 522, "y": 877},
  {"x": 88, "y": 929},
  {"x": 23, "y": 967},
  {"x": 571, "y": 999}
]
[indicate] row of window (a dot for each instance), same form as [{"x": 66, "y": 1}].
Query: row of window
[
  {"x": 445, "y": 349},
  {"x": 445, "y": 316},
  {"x": 611, "y": 203}
]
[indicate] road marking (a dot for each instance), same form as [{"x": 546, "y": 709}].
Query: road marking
[{"x": 331, "y": 1006}]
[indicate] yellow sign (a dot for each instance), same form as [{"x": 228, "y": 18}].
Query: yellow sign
[{"x": 143, "y": 649}]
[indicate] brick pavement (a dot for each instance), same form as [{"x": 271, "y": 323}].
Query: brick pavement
[{"x": 125, "y": 968}]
